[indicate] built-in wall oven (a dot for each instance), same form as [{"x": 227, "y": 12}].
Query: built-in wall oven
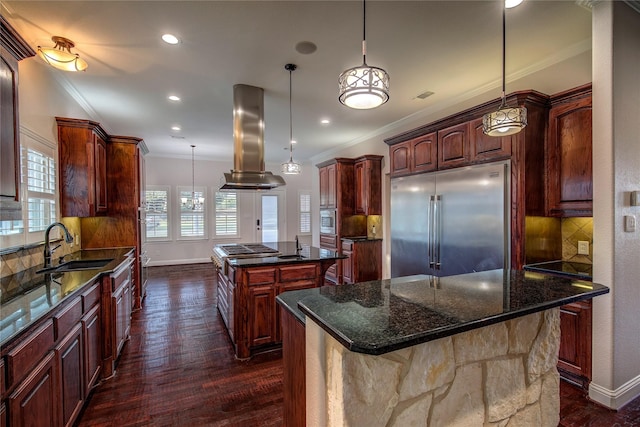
[{"x": 328, "y": 221}]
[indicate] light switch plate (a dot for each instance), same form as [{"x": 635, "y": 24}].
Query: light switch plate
[
  {"x": 583, "y": 247},
  {"x": 635, "y": 198},
  {"x": 629, "y": 223}
]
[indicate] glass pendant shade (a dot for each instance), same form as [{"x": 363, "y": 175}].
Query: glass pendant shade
[
  {"x": 291, "y": 167},
  {"x": 364, "y": 87},
  {"x": 505, "y": 121},
  {"x": 60, "y": 55}
]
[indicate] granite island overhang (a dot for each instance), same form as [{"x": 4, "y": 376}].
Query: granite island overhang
[{"x": 442, "y": 348}]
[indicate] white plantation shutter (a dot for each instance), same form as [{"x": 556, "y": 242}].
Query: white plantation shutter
[
  {"x": 226, "y": 213},
  {"x": 192, "y": 219},
  {"x": 157, "y": 215},
  {"x": 305, "y": 213}
]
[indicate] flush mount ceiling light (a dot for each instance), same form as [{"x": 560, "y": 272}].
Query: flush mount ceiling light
[
  {"x": 60, "y": 56},
  {"x": 506, "y": 120},
  {"x": 291, "y": 167},
  {"x": 170, "y": 39},
  {"x": 363, "y": 87}
]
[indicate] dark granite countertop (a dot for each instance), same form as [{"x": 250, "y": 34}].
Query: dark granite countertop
[
  {"x": 361, "y": 239},
  {"x": 565, "y": 268},
  {"x": 28, "y": 296},
  {"x": 385, "y": 315},
  {"x": 287, "y": 252}
]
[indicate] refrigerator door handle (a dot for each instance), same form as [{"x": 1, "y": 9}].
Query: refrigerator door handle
[
  {"x": 437, "y": 229},
  {"x": 431, "y": 235}
]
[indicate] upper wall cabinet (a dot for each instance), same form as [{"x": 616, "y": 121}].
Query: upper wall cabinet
[
  {"x": 453, "y": 146},
  {"x": 82, "y": 160},
  {"x": 13, "y": 48},
  {"x": 485, "y": 147},
  {"x": 419, "y": 154},
  {"x": 569, "y": 154},
  {"x": 368, "y": 177}
]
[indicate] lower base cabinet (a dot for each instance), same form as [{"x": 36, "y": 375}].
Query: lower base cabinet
[
  {"x": 93, "y": 348},
  {"x": 33, "y": 402},
  {"x": 294, "y": 360},
  {"x": 70, "y": 361},
  {"x": 574, "y": 359}
]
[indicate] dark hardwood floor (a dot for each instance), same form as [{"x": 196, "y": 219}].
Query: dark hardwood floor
[{"x": 178, "y": 369}]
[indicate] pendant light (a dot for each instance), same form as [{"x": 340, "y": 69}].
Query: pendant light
[
  {"x": 291, "y": 167},
  {"x": 60, "y": 55},
  {"x": 363, "y": 87},
  {"x": 506, "y": 120},
  {"x": 194, "y": 203}
]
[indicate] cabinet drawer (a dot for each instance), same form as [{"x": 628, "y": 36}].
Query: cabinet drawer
[
  {"x": 292, "y": 273},
  {"x": 347, "y": 245},
  {"x": 329, "y": 241},
  {"x": 68, "y": 317},
  {"x": 90, "y": 297},
  {"x": 120, "y": 276},
  {"x": 298, "y": 284},
  {"x": 260, "y": 276},
  {"x": 21, "y": 359}
]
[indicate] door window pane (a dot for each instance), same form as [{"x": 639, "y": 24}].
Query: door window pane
[{"x": 269, "y": 218}]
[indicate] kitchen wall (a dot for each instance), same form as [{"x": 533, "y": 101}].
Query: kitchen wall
[{"x": 177, "y": 172}]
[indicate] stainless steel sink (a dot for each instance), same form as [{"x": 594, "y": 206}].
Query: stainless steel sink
[
  {"x": 293, "y": 256},
  {"x": 76, "y": 265}
]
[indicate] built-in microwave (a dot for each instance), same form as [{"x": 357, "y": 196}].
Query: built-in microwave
[{"x": 328, "y": 221}]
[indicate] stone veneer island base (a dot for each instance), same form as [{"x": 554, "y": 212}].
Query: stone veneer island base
[
  {"x": 503, "y": 375},
  {"x": 477, "y": 349}
]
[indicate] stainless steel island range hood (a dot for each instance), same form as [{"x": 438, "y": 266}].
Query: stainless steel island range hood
[{"x": 248, "y": 143}]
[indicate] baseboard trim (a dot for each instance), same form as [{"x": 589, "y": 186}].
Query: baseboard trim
[{"x": 615, "y": 399}]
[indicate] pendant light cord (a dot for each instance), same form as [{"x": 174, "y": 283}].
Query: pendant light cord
[
  {"x": 504, "y": 49},
  {"x": 290, "y": 120},
  {"x": 193, "y": 178},
  {"x": 364, "y": 32}
]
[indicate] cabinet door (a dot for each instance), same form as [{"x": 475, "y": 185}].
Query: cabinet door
[
  {"x": 9, "y": 138},
  {"x": 569, "y": 159},
  {"x": 92, "y": 336},
  {"x": 100, "y": 174},
  {"x": 400, "y": 160},
  {"x": 324, "y": 186},
  {"x": 262, "y": 315},
  {"x": 362, "y": 186},
  {"x": 347, "y": 267},
  {"x": 574, "y": 358},
  {"x": 36, "y": 400},
  {"x": 424, "y": 153},
  {"x": 485, "y": 147},
  {"x": 120, "y": 312},
  {"x": 331, "y": 187},
  {"x": 453, "y": 146},
  {"x": 70, "y": 360}
]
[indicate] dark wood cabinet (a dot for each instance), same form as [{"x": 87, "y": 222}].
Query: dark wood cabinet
[
  {"x": 416, "y": 155},
  {"x": 35, "y": 401},
  {"x": 574, "y": 358},
  {"x": 13, "y": 49},
  {"x": 82, "y": 164},
  {"x": 294, "y": 361},
  {"x": 364, "y": 260},
  {"x": 328, "y": 190},
  {"x": 92, "y": 336},
  {"x": 262, "y": 315},
  {"x": 453, "y": 146},
  {"x": 484, "y": 147},
  {"x": 70, "y": 360},
  {"x": 569, "y": 154},
  {"x": 368, "y": 180}
]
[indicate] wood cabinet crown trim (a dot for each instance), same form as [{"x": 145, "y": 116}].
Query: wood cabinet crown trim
[{"x": 13, "y": 42}]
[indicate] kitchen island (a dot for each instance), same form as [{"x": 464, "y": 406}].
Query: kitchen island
[
  {"x": 466, "y": 350},
  {"x": 250, "y": 276}
]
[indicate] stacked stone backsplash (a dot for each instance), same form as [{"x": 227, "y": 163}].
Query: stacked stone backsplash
[
  {"x": 30, "y": 256},
  {"x": 574, "y": 229},
  {"x": 502, "y": 375}
]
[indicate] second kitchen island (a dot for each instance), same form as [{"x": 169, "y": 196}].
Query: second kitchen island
[{"x": 250, "y": 276}]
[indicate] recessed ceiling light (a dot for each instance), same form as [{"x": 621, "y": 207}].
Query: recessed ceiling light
[
  {"x": 325, "y": 121},
  {"x": 173, "y": 98},
  {"x": 306, "y": 48},
  {"x": 176, "y": 128},
  {"x": 170, "y": 38}
]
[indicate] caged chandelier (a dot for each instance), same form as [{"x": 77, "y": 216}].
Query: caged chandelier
[
  {"x": 291, "y": 167},
  {"x": 505, "y": 120},
  {"x": 194, "y": 203},
  {"x": 363, "y": 87},
  {"x": 60, "y": 55}
]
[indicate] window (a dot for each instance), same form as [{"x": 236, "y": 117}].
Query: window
[
  {"x": 192, "y": 213},
  {"x": 226, "y": 208},
  {"x": 304, "y": 210},
  {"x": 38, "y": 192},
  {"x": 157, "y": 220}
]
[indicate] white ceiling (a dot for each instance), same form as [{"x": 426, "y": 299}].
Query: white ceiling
[{"x": 452, "y": 48}]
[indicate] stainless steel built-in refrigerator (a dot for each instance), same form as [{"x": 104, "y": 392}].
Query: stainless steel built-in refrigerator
[{"x": 450, "y": 222}]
